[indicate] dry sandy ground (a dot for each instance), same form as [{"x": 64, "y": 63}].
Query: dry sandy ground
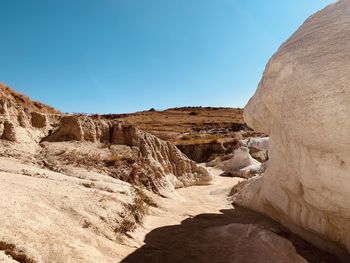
[
  {"x": 204, "y": 227},
  {"x": 191, "y": 202},
  {"x": 51, "y": 217},
  {"x": 5, "y": 259}
]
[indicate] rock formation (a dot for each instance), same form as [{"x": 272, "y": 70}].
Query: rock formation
[
  {"x": 164, "y": 164},
  {"x": 201, "y": 152},
  {"x": 259, "y": 143},
  {"x": 80, "y": 182},
  {"x": 241, "y": 161},
  {"x": 33, "y": 129},
  {"x": 204, "y": 152},
  {"x": 258, "y": 147},
  {"x": 241, "y": 164},
  {"x": 303, "y": 103}
]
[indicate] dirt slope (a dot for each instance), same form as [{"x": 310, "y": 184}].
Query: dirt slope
[
  {"x": 171, "y": 124},
  {"x": 11, "y": 96}
]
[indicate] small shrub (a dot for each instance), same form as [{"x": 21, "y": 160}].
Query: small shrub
[
  {"x": 114, "y": 159},
  {"x": 193, "y": 113},
  {"x": 125, "y": 227},
  {"x": 89, "y": 185},
  {"x": 134, "y": 212}
]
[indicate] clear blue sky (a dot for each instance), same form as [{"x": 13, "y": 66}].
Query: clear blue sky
[{"x": 113, "y": 56}]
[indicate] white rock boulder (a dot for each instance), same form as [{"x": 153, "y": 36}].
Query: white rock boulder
[
  {"x": 241, "y": 161},
  {"x": 258, "y": 143},
  {"x": 303, "y": 103}
]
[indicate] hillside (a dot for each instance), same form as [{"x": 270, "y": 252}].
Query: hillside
[
  {"x": 172, "y": 124},
  {"x": 10, "y": 96}
]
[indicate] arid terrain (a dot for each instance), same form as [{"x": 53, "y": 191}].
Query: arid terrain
[
  {"x": 78, "y": 188},
  {"x": 199, "y": 132},
  {"x": 173, "y": 124},
  {"x": 267, "y": 183}
]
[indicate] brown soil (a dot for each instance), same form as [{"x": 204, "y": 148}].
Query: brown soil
[
  {"x": 10, "y": 95},
  {"x": 187, "y": 124}
]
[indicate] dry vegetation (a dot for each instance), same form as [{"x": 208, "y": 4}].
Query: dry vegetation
[
  {"x": 181, "y": 125},
  {"x": 14, "y": 253},
  {"x": 199, "y": 139},
  {"x": 19, "y": 99},
  {"x": 115, "y": 162},
  {"x": 134, "y": 212}
]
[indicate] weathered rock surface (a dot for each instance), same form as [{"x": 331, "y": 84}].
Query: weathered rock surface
[
  {"x": 258, "y": 147},
  {"x": 80, "y": 182},
  {"x": 241, "y": 164},
  {"x": 52, "y": 217},
  {"x": 303, "y": 103},
  {"x": 25, "y": 126},
  {"x": 204, "y": 152},
  {"x": 201, "y": 152},
  {"x": 260, "y": 143},
  {"x": 164, "y": 164}
]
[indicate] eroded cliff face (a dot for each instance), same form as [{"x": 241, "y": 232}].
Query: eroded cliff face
[
  {"x": 80, "y": 182},
  {"x": 155, "y": 163},
  {"x": 56, "y": 141},
  {"x": 21, "y": 128},
  {"x": 303, "y": 103}
]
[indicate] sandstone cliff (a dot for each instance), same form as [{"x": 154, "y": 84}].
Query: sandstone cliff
[
  {"x": 35, "y": 131},
  {"x": 152, "y": 162},
  {"x": 302, "y": 102}
]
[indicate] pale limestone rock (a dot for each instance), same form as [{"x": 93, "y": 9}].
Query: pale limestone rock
[
  {"x": 303, "y": 103},
  {"x": 23, "y": 120},
  {"x": 162, "y": 163},
  {"x": 256, "y": 142},
  {"x": 241, "y": 162},
  {"x": 258, "y": 147},
  {"x": 75, "y": 128}
]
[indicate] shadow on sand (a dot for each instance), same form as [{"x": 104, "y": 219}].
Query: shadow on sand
[{"x": 186, "y": 243}]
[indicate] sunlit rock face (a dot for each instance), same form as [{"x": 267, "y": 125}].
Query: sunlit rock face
[{"x": 303, "y": 103}]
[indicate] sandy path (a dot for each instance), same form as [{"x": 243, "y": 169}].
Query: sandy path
[
  {"x": 193, "y": 201},
  {"x": 183, "y": 231},
  {"x": 187, "y": 203}
]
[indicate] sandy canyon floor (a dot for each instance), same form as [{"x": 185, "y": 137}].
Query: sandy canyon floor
[
  {"x": 200, "y": 224},
  {"x": 196, "y": 224}
]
